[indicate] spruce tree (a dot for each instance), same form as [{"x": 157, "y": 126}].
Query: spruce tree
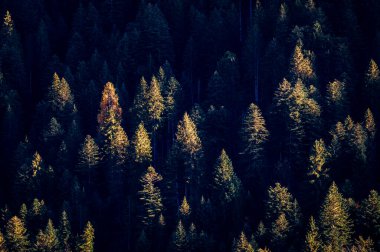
[
  {"x": 16, "y": 235},
  {"x": 336, "y": 225},
  {"x": 86, "y": 243},
  {"x": 150, "y": 197},
  {"x": 142, "y": 149},
  {"x": 227, "y": 186}
]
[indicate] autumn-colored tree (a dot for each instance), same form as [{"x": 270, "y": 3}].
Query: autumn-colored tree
[
  {"x": 3, "y": 247},
  {"x": 179, "y": 238},
  {"x": 86, "y": 243},
  {"x": 372, "y": 85},
  {"x": 312, "y": 242},
  {"x": 242, "y": 244},
  {"x": 254, "y": 135},
  {"x": 47, "y": 240},
  {"x": 16, "y": 235},
  {"x": 64, "y": 232},
  {"x": 227, "y": 186},
  {"x": 302, "y": 65},
  {"x": 336, "y": 225},
  {"x": 89, "y": 158},
  {"x": 150, "y": 197},
  {"x": 142, "y": 149}
]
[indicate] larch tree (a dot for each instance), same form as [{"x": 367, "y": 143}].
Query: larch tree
[
  {"x": 47, "y": 240},
  {"x": 150, "y": 197},
  {"x": 280, "y": 231},
  {"x": 115, "y": 140},
  {"x": 155, "y": 105},
  {"x": 369, "y": 124},
  {"x": 313, "y": 240},
  {"x": 140, "y": 102},
  {"x": 89, "y": 158},
  {"x": 184, "y": 211},
  {"x": 335, "y": 222},
  {"x": 337, "y": 104},
  {"x": 142, "y": 149},
  {"x": 242, "y": 244},
  {"x": 226, "y": 185},
  {"x": 255, "y": 136},
  {"x": 372, "y": 85},
  {"x": 189, "y": 145},
  {"x": 17, "y": 236},
  {"x": 86, "y": 243}
]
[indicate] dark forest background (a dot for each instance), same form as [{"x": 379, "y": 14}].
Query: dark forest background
[{"x": 177, "y": 125}]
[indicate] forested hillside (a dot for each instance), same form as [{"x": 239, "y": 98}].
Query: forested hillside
[{"x": 178, "y": 125}]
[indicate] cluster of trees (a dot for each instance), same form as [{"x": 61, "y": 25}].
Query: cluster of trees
[{"x": 189, "y": 125}]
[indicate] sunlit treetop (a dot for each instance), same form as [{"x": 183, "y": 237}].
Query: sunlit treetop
[
  {"x": 187, "y": 136},
  {"x": 8, "y": 23}
]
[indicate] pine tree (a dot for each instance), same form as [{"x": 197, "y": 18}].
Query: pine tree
[
  {"x": 150, "y": 197},
  {"x": 254, "y": 135},
  {"x": 187, "y": 136},
  {"x": 86, "y": 243},
  {"x": 179, "y": 238},
  {"x": 47, "y": 240},
  {"x": 60, "y": 96},
  {"x": 16, "y": 235},
  {"x": 336, "y": 226},
  {"x": 312, "y": 242},
  {"x": 227, "y": 186},
  {"x": 140, "y": 102},
  {"x": 142, "y": 149},
  {"x": 242, "y": 244},
  {"x": 89, "y": 158}
]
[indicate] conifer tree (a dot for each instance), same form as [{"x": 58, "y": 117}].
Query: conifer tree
[
  {"x": 60, "y": 94},
  {"x": 64, "y": 232},
  {"x": 336, "y": 97},
  {"x": 369, "y": 214},
  {"x": 227, "y": 186},
  {"x": 142, "y": 149},
  {"x": 109, "y": 119},
  {"x": 242, "y": 244},
  {"x": 312, "y": 242},
  {"x": 372, "y": 85},
  {"x": 16, "y": 235},
  {"x": 369, "y": 124},
  {"x": 255, "y": 135},
  {"x": 184, "y": 211},
  {"x": 336, "y": 226},
  {"x": 318, "y": 172},
  {"x": 140, "y": 102},
  {"x": 3, "y": 247},
  {"x": 172, "y": 97},
  {"x": 89, "y": 157},
  {"x": 155, "y": 104},
  {"x": 86, "y": 243},
  {"x": 150, "y": 197},
  {"x": 280, "y": 231},
  {"x": 301, "y": 65},
  {"x": 192, "y": 237},
  {"x": 47, "y": 240},
  {"x": 179, "y": 238}
]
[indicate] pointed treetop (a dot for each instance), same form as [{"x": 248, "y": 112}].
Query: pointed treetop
[
  {"x": 184, "y": 209},
  {"x": 242, "y": 244},
  {"x": 8, "y": 23},
  {"x": 373, "y": 72},
  {"x": 187, "y": 136},
  {"x": 142, "y": 145},
  {"x": 369, "y": 123}
]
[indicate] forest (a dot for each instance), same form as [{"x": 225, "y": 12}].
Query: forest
[{"x": 189, "y": 125}]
